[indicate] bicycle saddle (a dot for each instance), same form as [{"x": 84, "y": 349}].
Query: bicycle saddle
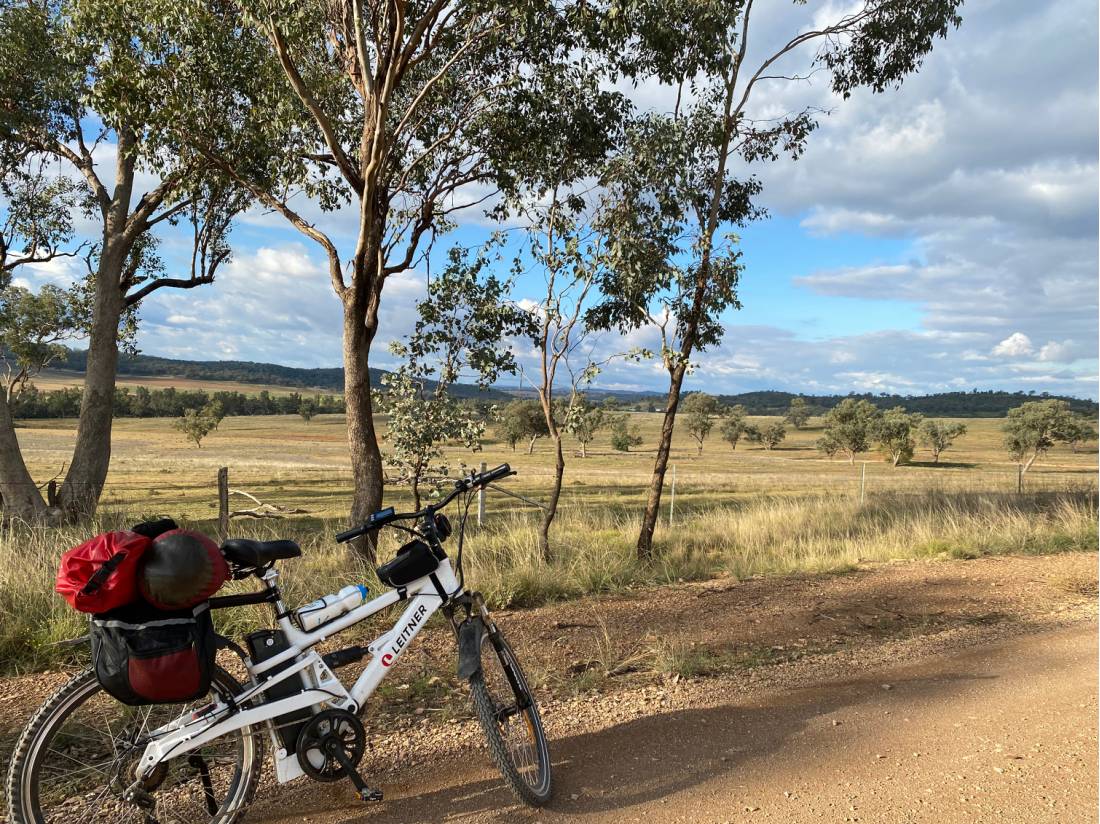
[{"x": 247, "y": 552}]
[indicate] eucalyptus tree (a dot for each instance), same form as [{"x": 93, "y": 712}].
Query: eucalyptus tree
[
  {"x": 679, "y": 167},
  {"x": 583, "y": 420},
  {"x": 83, "y": 89},
  {"x": 798, "y": 413},
  {"x": 939, "y": 435},
  {"x": 734, "y": 426},
  {"x": 701, "y": 409},
  {"x": 1033, "y": 428},
  {"x": 37, "y": 226},
  {"x": 464, "y": 324},
  {"x": 565, "y": 248},
  {"x": 405, "y": 113},
  {"x": 849, "y": 427},
  {"x": 895, "y": 433}
]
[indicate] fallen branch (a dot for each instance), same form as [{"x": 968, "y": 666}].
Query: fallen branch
[{"x": 263, "y": 510}]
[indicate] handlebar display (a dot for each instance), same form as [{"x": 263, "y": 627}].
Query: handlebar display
[{"x": 382, "y": 517}]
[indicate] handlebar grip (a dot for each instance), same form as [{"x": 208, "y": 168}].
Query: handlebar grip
[
  {"x": 502, "y": 471},
  {"x": 344, "y": 537}
]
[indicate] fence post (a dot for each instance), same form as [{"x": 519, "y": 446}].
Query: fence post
[
  {"x": 862, "y": 482},
  {"x": 672, "y": 497},
  {"x": 223, "y": 502},
  {"x": 481, "y": 500}
]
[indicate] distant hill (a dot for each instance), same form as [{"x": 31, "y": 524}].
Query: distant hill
[
  {"x": 974, "y": 404},
  {"x": 990, "y": 404},
  {"x": 329, "y": 380}
]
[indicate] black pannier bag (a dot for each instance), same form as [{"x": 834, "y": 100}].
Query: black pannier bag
[
  {"x": 144, "y": 655},
  {"x": 414, "y": 560}
]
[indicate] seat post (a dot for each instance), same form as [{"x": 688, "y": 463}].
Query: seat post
[{"x": 271, "y": 582}]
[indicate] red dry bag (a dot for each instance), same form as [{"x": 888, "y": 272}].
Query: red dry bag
[{"x": 102, "y": 574}]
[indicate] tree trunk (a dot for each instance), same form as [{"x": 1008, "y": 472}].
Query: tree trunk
[
  {"x": 551, "y": 510},
  {"x": 79, "y": 494},
  {"x": 20, "y": 497},
  {"x": 664, "y": 447},
  {"x": 531, "y": 446},
  {"x": 584, "y": 449},
  {"x": 416, "y": 489},
  {"x": 366, "y": 458}
]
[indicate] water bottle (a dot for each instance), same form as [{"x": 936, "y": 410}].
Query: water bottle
[{"x": 323, "y": 610}]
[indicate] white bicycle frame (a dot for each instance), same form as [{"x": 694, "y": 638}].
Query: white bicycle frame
[{"x": 323, "y": 689}]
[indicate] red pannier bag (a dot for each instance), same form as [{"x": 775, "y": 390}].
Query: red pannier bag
[
  {"x": 144, "y": 655},
  {"x": 102, "y": 574}
]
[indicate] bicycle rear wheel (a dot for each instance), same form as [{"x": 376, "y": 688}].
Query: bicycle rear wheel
[
  {"x": 78, "y": 753},
  {"x": 509, "y": 716}
]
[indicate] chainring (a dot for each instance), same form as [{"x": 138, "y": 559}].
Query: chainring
[{"x": 317, "y": 737}]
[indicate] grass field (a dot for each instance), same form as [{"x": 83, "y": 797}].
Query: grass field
[
  {"x": 284, "y": 460},
  {"x": 740, "y": 513},
  {"x": 52, "y": 379}
]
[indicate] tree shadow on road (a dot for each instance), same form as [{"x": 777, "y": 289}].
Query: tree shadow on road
[{"x": 652, "y": 757}]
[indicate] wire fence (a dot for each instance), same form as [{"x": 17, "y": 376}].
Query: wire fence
[{"x": 255, "y": 491}]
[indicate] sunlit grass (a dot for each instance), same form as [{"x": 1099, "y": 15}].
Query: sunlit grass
[{"x": 594, "y": 552}]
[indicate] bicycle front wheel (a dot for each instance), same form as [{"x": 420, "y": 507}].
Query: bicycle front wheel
[
  {"x": 78, "y": 753},
  {"x": 509, "y": 716}
]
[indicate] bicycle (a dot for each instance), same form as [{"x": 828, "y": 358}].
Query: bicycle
[{"x": 84, "y": 756}]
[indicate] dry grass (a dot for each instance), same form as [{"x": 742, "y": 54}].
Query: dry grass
[
  {"x": 742, "y": 513},
  {"x": 594, "y": 553}
]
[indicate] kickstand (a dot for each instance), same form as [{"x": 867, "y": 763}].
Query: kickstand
[
  {"x": 197, "y": 762},
  {"x": 366, "y": 792}
]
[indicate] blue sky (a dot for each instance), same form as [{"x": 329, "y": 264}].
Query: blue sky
[{"x": 942, "y": 236}]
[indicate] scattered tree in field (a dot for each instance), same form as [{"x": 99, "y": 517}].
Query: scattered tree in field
[
  {"x": 700, "y": 410},
  {"x": 624, "y": 433},
  {"x": 568, "y": 252},
  {"x": 1080, "y": 432},
  {"x": 77, "y": 78},
  {"x": 798, "y": 414},
  {"x": 462, "y": 323},
  {"x": 196, "y": 424},
  {"x": 583, "y": 420},
  {"x": 937, "y": 436},
  {"x": 419, "y": 424},
  {"x": 734, "y": 426},
  {"x": 307, "y": 409},
  {"x": 1031, "y": 429},
  {"x": 676, "y": 179},
  {"x": 895, "y": 434},
  {"x": 522, "y": 421},
  {"x": 849, "y": 427},
  {"x": 769, "y": 436}
]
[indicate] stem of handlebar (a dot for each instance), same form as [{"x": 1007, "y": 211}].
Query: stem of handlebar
[{"x": 385, "y": 516}]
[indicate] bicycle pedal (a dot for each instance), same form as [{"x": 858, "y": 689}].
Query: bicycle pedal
[{"x": 367, "y": 794}]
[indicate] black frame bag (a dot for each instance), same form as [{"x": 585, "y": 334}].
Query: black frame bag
[
  {"x": 144, "y": 655},
  {"x": 414, "y": 560}
]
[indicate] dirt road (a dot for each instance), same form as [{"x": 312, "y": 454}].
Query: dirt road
[{"x": 981, "y": 721}]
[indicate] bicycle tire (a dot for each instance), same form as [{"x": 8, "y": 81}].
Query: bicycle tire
[
  {"x": 496, "y": 652},
  {"x": 22, "y": 779}
]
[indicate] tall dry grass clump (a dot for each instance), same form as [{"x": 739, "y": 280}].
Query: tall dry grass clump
[{"x": 594, "y": 552}]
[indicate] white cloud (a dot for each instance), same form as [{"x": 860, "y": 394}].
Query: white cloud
[
  {"x": 1058, "y": 352},
  {"x": 1016, "y": 345}
]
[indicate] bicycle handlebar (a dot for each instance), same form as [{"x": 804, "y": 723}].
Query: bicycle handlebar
[{"x": 382, "y": 517}]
